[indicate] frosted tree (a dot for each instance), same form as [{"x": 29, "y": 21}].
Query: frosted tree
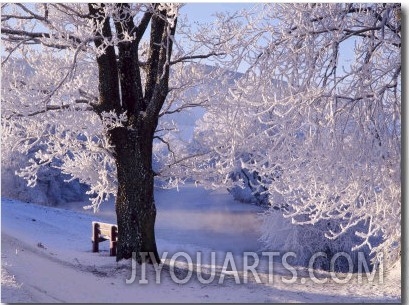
[
  {"x": 84, "y": 87},
  {"x": 317, "y": 117}
]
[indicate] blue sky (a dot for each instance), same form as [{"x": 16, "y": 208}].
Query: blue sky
[{"x": 203, "y": 11}]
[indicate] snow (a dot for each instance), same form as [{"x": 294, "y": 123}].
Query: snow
[{"x": 46, "y": 257}]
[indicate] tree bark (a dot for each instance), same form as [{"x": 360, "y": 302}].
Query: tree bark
[{"x": 135, "y": 205}]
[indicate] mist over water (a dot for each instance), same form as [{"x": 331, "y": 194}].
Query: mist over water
[{"x": 211, "y": 219}]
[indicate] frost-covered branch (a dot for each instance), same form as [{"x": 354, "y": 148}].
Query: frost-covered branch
[
  {"x": 312, "y": 133},
  {"x": 192, "y": 57},
  {"x": 76, "y": 73}
]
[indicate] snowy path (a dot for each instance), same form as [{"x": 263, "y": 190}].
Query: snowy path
[{"x": 46, "y": 257}]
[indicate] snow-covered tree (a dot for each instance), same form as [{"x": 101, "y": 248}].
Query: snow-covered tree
[
  {"x": 317, "y": 117},
  {"x": 50, "y": 189},
  {"x": 314, "y": 119},
  {"x": 84, "y": 85}
]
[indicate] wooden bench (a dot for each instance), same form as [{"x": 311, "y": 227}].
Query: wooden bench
[{"x": 102, "y": 231}]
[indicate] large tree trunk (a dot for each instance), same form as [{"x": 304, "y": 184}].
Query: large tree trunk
[{"x": 135, "y": 205}]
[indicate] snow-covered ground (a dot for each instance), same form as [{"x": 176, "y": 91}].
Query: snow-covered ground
[{"x": 46, "y": 257}]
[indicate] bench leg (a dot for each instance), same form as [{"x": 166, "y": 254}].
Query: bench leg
[
  {"x": 112, "y": 241},
  {"x": 95, "y": 237}
]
